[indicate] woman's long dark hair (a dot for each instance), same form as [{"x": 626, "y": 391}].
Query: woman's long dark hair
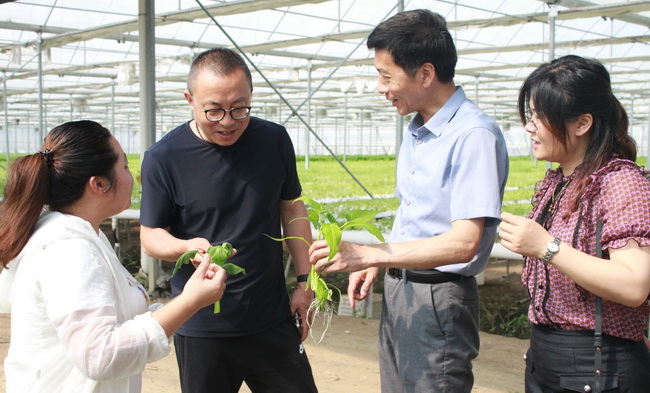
[
  {"x": 570, "y": 86},
  {"x": 56, "y": 176}
]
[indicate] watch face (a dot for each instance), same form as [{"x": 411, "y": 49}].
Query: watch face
[{"x": 552, "y": 247}]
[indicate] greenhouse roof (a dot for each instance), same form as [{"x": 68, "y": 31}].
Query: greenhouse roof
[{"x": 90, "y": 54}]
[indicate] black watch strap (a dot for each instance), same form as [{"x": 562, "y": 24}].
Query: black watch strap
[{"x": 302, "y": 277}]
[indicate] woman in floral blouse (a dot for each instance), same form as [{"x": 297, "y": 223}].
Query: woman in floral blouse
[{"x": 597, "y": 191}]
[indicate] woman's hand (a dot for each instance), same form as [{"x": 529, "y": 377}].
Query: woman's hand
[
  {"x": 207, "y": 283},
  {"x": 204, "y": 288},
  {"x": 523, "y": 236}
]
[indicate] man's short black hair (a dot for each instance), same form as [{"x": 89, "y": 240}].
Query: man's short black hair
[
  {"x": 220, "y": 61},
  {"x": 414, "y": 38}
]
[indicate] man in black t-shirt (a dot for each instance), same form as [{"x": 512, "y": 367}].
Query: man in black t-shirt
[{"x": 227, "y": 176}]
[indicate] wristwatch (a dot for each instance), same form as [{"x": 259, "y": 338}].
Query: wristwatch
[
  {"x": 551, "y": 249},
  {"x": 302, "y": 277}
]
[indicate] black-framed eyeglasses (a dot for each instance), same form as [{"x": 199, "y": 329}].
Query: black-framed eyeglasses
[
  {"x": 237, "y": 113},
  {"x": 530, "y": 119}
]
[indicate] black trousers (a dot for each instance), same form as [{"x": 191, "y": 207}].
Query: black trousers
[
  {"x": 563, "y": 361},
  {"x": 274, "y": 361}
]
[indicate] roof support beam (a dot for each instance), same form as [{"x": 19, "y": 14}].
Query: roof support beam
[
  {"x": 617, "y": 11},
  {"x": 220, "y": 9},
  {"x": 626, "y": 17}
]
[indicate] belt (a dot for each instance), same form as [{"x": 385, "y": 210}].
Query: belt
[{"x": 425, "y": 276}]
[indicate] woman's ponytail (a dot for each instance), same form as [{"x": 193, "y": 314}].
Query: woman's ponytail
[{"x": 26, "y": 194}]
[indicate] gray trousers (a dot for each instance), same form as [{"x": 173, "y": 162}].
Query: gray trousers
[{"x": 428, "y": 336}]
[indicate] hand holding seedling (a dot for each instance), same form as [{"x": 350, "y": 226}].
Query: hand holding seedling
[
  {"x": 301, "y": 299},
  {"x": 218, "y": 255},
  {"x": 346, "y": 259},
  {"x": 329, "y": 231},
  {"x": 207, "y": 283}
]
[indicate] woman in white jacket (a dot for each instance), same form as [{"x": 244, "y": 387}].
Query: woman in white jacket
[{"x": 79, "y": 321}]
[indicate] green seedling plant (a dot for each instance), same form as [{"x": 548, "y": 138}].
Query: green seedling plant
[
  {"x": 218, "y": 254},
  {"x": 328, "y": 228}
]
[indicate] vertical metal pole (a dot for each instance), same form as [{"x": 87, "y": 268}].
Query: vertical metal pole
[
  {"x": 345, "y": 129},
  {"x": 42, "y": 138},
  {"x": 316, "y": 128},
  {"x": 552, "y": 13},
  {"x": 361, "y": 133},
  {"x": 128, "y": 127},
  {"x": 16, "y": 137},
  {"x": 399, "y": 125},
  {"x": 29, "y": 138},
  {"x": 113, "y": 106},
  {"x": 647, "y": 146},
  {"x": 338, "y": 25},
  {"x": 370, "y": 135},
  {"x": 71, "y": 108},
  {"x": 40, "y": 85},
  {"x": 308, "y": 114},
  {"x": 5, "y": 106},
  {"x": 336, "y": 137},
  {"x": 630, "y": 130},
  {"x": 146, "y": 14}
]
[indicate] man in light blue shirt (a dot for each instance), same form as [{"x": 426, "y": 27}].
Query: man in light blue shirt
[{"x": 451, "y": 174}]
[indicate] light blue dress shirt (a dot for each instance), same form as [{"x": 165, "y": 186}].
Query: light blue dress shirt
[{"x": 454, "y": 167}]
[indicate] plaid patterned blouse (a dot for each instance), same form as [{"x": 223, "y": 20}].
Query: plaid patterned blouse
[{"x": 618, "y": 194}]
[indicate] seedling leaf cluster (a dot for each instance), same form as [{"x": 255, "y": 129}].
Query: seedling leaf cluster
[
  {"x": 330, "y": 229},
  {"x": 218, "y": 254}
]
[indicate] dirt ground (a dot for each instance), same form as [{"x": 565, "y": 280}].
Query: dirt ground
[{"x": 346, "y": 360}]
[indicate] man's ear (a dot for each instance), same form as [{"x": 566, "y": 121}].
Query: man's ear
[
  {"x": 426, "y": 74},
  {"x": 188, "y": 96},
  {"x": 584, "y": 123}
]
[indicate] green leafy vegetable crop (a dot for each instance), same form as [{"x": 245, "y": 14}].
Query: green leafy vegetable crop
[
  {"x": 218, "y": 255},
  {"x": 328, "y": 228}
]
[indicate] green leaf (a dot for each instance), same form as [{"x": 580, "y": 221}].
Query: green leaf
[
  {"x": 332, "y": 288},
  {"x": 211, "y": 252},
  {"x": 228, "y": 247},
  {"x": 314, "y": 218},
  {"x": 299, "y": 218},
  {"x": 183, "y": 260},
  {"x": 330, "y": 218},
  {"x": 312, "y": 279},
  {"x": 322, "y": 292},
  {"x": 218, "y": 255},
  {"x": 286, "y": 238},
  {"x": 360, "y": 216},
  {"x": 312, "y": 203},
  {"x": 231, "y": 268},
  {"x": 332, "y": 234},
  {"x": 370, "y": 227}
]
